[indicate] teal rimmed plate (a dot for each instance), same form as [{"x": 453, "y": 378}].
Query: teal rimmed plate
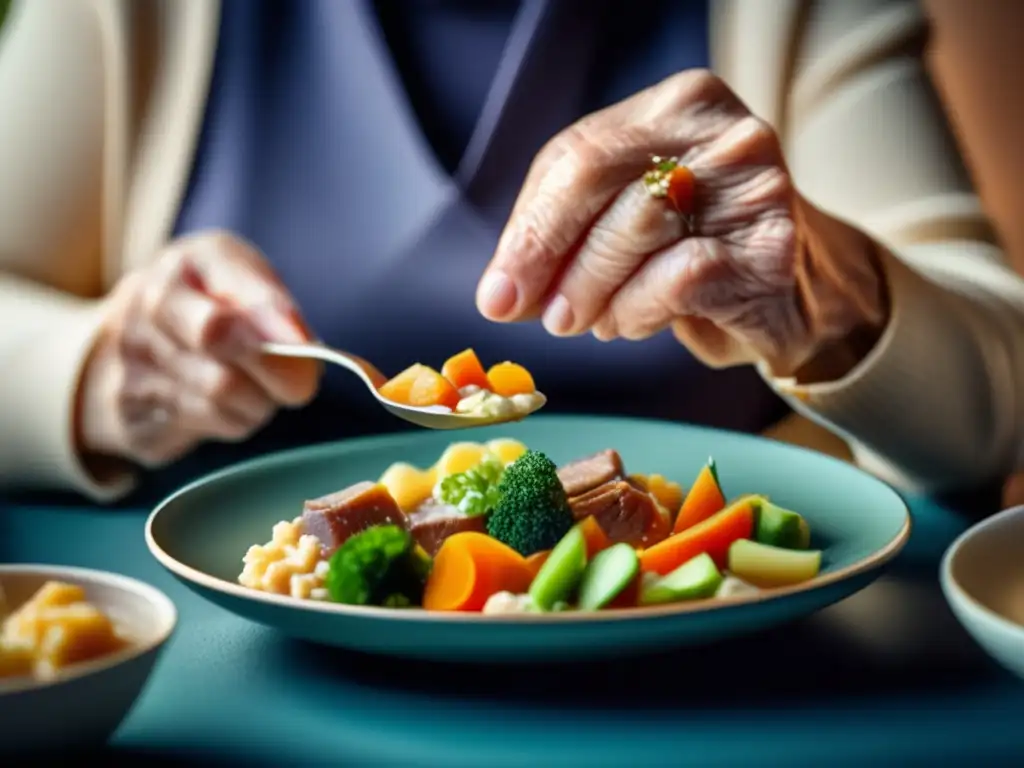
[{"x": 201, "y": 533}]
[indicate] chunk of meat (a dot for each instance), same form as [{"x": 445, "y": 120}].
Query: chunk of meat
[
  {"x": 337, "y": 516},
  {"x": 588, "y": 473},
  {"x": 624, "y": 512},
  {"x": 433, "y": 522}
]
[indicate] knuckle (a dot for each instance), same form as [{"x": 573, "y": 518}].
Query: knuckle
[
  {"x": 696, "y": 86},
  {"x": 214, "y": 327},
  {"x": 220, "y": 383}
]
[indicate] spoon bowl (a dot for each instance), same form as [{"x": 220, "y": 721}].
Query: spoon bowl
[{"x": 431, "y": 417}]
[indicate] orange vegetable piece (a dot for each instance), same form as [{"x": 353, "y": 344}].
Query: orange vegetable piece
[
  {"x": 420, "y": 385},
  {"x": 465, "y": 370},
  {"x": 399, "y": 387},
  {"x": 668, "y": 493},
  {"x": 508, "y": 379},
  {"x": 536, "y": 560},
  {"x": 469, "y": 568},
  {"x": 704, "y": 499},
  {"x": 594, "y": 535},
  {"x": 714, "y": 536}
]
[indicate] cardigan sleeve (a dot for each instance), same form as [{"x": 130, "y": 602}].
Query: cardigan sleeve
[{"x": 939, "y": 402}]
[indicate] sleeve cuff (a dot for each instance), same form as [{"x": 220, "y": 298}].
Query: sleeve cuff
[
  {"x": 896, "y": 408},
  {"x": 39, "y": 392}
]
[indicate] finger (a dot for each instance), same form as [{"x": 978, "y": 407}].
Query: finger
[
  {"x": 1013, "y": 490},
  {"x": 202, "y": 324},
  {"x": 147, "y": 410},
  {"x": 598, "y": 156},
  {"x": 226, "y": 388},
  {"x": 634, "y": 226},
  {"x": 231, "y": 270}
]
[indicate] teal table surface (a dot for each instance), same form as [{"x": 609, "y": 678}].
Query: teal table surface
[{"x": 886, "y": 677}]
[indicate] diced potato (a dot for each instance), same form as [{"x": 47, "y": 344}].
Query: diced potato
[
  {"x": 56, "y": 593},
  {"x": 72, "y": 634},
  {"x": 506, "y": 449},
  {"x": 15, "y": 662},
  {"x": 459, "y": 457},
  {"x": 409, "y": 486}
]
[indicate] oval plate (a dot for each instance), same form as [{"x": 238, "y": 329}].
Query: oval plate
[{"x": 201, "y": 533}]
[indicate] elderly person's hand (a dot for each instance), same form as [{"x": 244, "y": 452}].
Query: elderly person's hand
[
  {"x": 750, "y": 272},
  {"x": 177, "y": 361}
]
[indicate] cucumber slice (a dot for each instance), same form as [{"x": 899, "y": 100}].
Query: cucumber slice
[
  {"x": 695, "y": 579},
  {"x": 767, "y": 566},
  {"x": 780, "y": 527},
  {"x": 610, "y": 572},
  {"x": 558, "y": 578}
]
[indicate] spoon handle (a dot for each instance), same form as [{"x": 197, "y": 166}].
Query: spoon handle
[{"x": 365, "y": 370}]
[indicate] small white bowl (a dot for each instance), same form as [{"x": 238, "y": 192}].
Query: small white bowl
[
  {"x": 983, "y": 580},
  {"x": 85, "y": 703}
]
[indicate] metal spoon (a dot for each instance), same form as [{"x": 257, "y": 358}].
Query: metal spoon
[{"x": 431, "y": 417}]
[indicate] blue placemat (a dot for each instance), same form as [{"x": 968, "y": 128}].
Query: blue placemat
[{"x": 886, "y": 677}]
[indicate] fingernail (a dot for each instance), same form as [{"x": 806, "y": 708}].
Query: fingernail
[
  {"x": 558, "y": 319},
  {"x": 276, "y": 326},
  {"x": 497, "y": 295}
]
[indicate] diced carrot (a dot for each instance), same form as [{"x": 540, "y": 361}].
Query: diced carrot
[
  {"x": 464, "y": 370},
  {"x": 508, "y": 379},
  {"x": 536, "y": 560},
  {"x": 397, "y": 389},
  {"x": 714, "y": 536},
  {"x": 594, "y": 535},
  {"x": 431, "y": 388},
  {"x": 469, "y": 568},
  {"x": 704, "y": 499}
]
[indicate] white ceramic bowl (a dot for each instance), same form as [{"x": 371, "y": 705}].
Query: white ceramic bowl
[
  {"x": 86, "y": 703},
  {"x": 983, "y": 580}
]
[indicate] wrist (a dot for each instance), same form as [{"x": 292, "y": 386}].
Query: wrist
[
  {"x": 95, "y": 428},
  {"x": 843, "y": 293}
]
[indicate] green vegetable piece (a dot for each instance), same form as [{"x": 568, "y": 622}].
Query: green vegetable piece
[
  {"x": 693, "y": 580},
  {"x": 532, "y": 513},
  {"x": 713, "y": 469},
  {"x": 610, "y": 572},
  {"x": 558, "y": 578},
  {"x": 379, "y": 566},
  {"x": 475, "y": 491},
  {"x": 779, "y": 527},
  {"x": 767, "y": 566}
]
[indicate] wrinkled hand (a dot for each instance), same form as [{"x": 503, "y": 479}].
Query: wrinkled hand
[
  {"x": 762, "y": 275},
  {"x": 177, "y": 360}
]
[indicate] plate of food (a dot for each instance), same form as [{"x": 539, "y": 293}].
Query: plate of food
[{"x": 562, "y": 537}]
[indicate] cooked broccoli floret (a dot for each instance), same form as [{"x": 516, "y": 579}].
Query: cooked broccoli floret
[
  {"x": 532, "y": 513},
  {"x": 475, "y": 491},
  {"x": 380, "y": 566}
]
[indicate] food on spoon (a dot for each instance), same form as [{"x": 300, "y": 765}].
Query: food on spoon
[
  {"x": 469, "y": 569},
  {"x": 779, "y": 527},
  {"x": 608, "y": 574},
  {"x": 497, "y": 528},
  {"x": 533, "y": 510},
  {"x": 380, "y": 566},
  {"x": 464, "y": 370},
  {"x": 55, "y": 629},
  {"x": 558, "y": 578},
  {"x": 766, "y": 566},
  {"x": 714, "y": 536},
  {"x": 505, "y": 392},
  {"x": 695, "y": 579},
  {"x": 704, "y": 499}
]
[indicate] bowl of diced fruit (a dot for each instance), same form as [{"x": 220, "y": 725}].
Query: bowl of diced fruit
[
  {"x": 77, "y": 647},
  {"x": 558, "y": 537}
]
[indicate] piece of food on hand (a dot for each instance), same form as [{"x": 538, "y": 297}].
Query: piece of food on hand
[
  {"x": 380, "y": 566},
  {"x": 56, "y": 628},
  {"x": 469, "y": 569},
  {"x": 505, "y": 392},
  {"x": 533, "y": 512}
]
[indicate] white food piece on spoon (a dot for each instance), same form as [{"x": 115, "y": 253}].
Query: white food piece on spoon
[{"x": 484, "y": 403}]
